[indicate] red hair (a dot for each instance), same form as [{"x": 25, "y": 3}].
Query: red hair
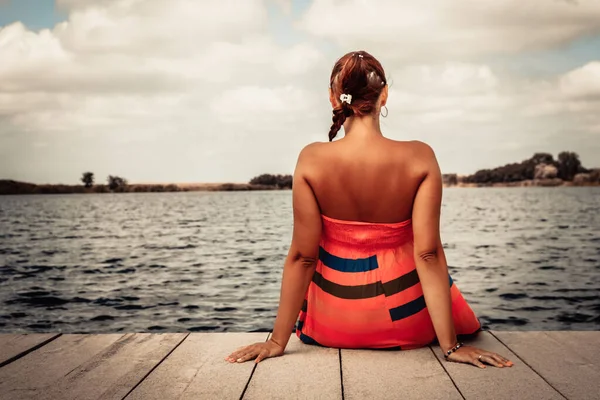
[{"x": 360, "y": 75}]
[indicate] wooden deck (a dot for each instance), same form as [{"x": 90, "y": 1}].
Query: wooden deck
[{"x": 548, "y": 365}]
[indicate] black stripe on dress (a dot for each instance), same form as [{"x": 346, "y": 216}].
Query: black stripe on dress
[
  {"x": 348, "y": 292},
  {"x": 368, "y": 290},
  {"x": 401, "y": 283}
]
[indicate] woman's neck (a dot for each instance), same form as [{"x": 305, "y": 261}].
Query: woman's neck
[{"x": 362, "y": 126}]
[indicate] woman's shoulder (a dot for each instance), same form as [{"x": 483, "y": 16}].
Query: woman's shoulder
[
  {"x": 309, "y": 155},
  {"x": 416, "y": 148},
  {"x": 313, "y": 149},
  {"x": 416, "y": 145}
]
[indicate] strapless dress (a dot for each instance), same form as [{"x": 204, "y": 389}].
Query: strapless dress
[{"x": 366, "y": 293}]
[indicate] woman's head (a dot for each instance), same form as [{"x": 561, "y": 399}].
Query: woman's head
[{"x": 356, "y": 84}]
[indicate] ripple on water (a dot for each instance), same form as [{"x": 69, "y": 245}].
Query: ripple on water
[
  {"x": 510, "y": 321},
  {"x": 512, "y": 296},
  {"x": 103, "y": 318},
  {"x": 551, "y": 267},
  {"x": 225, "y": 309},
  {"x": 213, "y": 261}
]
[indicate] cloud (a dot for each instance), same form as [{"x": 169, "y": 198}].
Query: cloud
[
  {"x": 123, "y": 49},
  {"x": 476, "y": 118},
  {"x": 460, "y": 90},
  {"x": 432, "y": 30},
  {"x": 456, "y": 79},
  {"x": 299, "y": 59},
  {"x": 158, "y": 73},
  {"x": 163, "y": 90},
  {"x": 582, "y": 83},
  {"x": 159, "y": 27},
  {"x": 451, "y": 91},
  {"x": 267, "y": 107},
  {"x": 284, "y": 5},
  {"x": 70, "y": 5}
]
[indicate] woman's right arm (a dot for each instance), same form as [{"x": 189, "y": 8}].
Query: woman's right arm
[{"x": 299, "y": 265}]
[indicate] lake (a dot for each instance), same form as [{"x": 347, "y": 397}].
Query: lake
[{"x": 524, "y": 258}]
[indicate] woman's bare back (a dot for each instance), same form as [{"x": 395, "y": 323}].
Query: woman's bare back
[{"x": 367, "y": 178}]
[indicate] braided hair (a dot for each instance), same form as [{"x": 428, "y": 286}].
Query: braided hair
[{"x": 361, "y": 76}]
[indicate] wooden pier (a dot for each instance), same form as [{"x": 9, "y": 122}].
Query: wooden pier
[{"x": 547, "y": 365}]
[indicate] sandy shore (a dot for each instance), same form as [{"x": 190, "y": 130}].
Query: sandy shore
[{"x": 526, "y": 183}]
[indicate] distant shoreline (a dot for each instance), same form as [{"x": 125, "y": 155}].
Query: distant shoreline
[
  {"x": 9, "y": 187},
  {"x": 541, "y": 170}
]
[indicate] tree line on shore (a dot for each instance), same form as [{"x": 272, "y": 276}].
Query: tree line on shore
[
  {"x": 280, "y": 181},
  {"x": 117, "y": 184},
  {"x": 541, "y": 168}
]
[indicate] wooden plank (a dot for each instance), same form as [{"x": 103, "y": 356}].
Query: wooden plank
[
  {"x": 516, "y": 382},
  {"x": 569, "y": 361},
  {"x": 410, "y": 374},
  {"x": 15, "y": 346},
  {"x": 304, "y": 371},
  {"x": 197, "y": 369},
  {"x": 75, "y": 366},
  {"x": 585, "y": 343},
  {"x": 28, "y": 377},
  {"x": 111, "y": 366}
]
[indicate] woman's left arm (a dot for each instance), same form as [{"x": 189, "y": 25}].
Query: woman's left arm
[{"x": 299, "y": 265}]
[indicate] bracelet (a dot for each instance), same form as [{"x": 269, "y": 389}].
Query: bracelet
[{"x": 453, "y": 349}]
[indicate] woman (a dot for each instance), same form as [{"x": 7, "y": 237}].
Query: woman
[{"x": 355, "y": 277}]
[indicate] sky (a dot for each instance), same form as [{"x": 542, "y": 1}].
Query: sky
[{"x": 221, "y": 91}]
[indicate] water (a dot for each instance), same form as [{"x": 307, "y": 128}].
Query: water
[{"x": 524, "y": 258}]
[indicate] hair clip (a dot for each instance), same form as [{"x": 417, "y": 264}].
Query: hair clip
[
  {"x": 346, "y": 98},
  {"x": 372, "y": 75}
]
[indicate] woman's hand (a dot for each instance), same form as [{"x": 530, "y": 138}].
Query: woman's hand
[
  {"x": 260, "y": 351},
  {"x": 471, "y": 355}
]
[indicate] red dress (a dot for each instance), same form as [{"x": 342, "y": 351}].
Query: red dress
[{"x": 366, "y": 293}]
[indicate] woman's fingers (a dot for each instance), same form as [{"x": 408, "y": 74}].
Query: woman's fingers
[
  {"x": 237, "y": 351},
  {"x": 242, "y": 355},
  {"x": 477, "y": 362},
  {"x": 261, "y": 356},
  {"x": 476, "y": 356},
  {"x": 248, "y": 356},
  {"x": 490, "y": 360},
  {"x": 233, "y": 357},
  {"x": 501, "y": 359},
  {"x": 256, "y": 350}
]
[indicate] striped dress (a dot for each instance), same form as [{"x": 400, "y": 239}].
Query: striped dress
[{"x": 366, "y": 293}]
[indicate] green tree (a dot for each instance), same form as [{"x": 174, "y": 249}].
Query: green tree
[
  {"x": 568, "y": 165},
  {"x": 88, "y": 179},
  {"x": 542, "y": 158},
  {"x": 281, "y": 181},
  {"x": 116, "y": 183}
]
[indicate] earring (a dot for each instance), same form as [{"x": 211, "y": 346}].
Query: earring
[{"x": 386, "y": 111}]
